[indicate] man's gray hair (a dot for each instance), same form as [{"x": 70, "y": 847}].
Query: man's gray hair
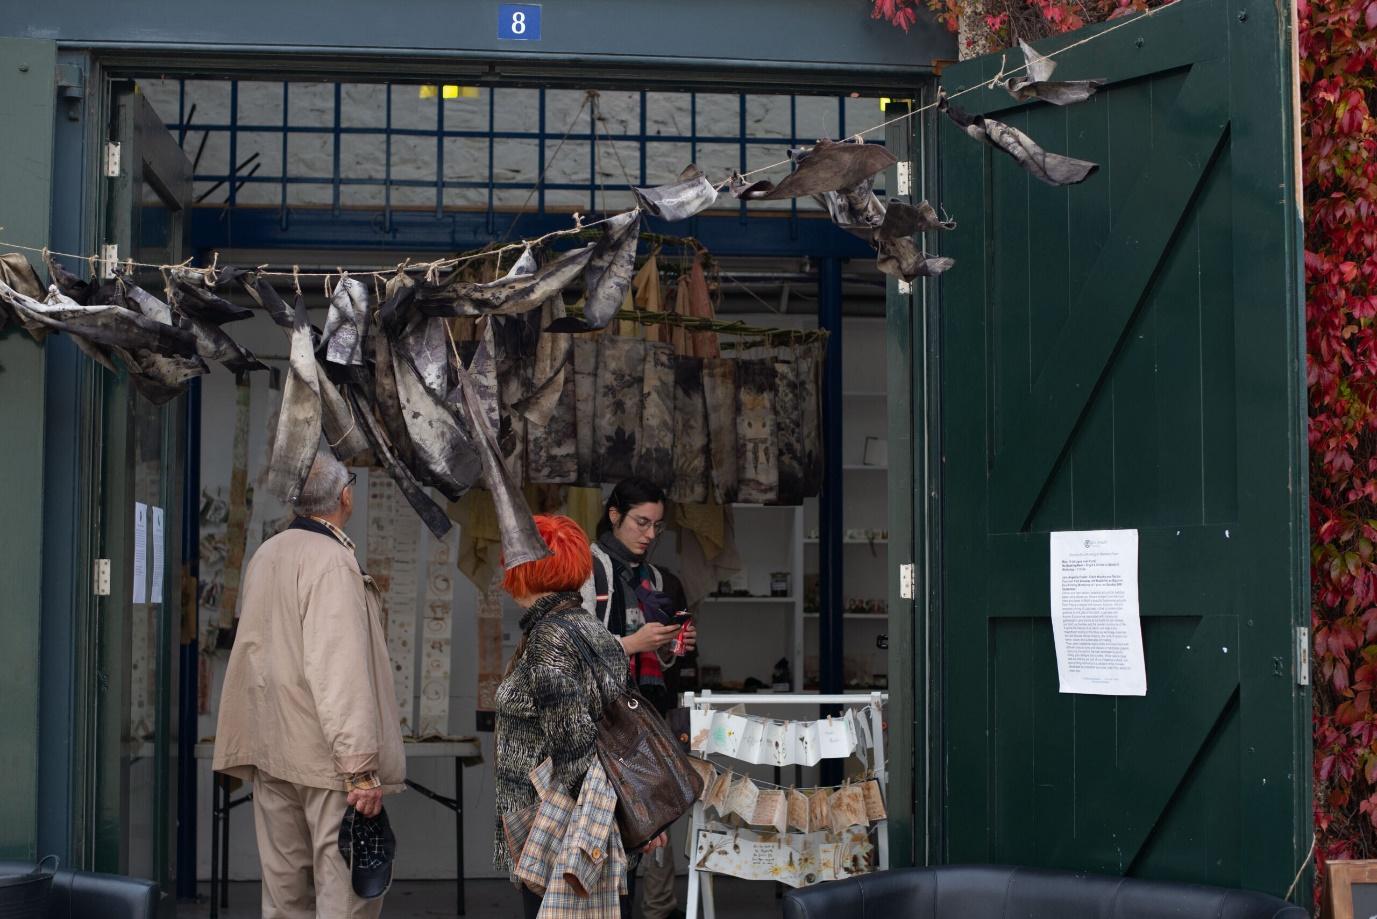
[{"x": 320, "y": 495}]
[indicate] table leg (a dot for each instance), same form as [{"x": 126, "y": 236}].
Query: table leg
[
  {"x": 459, "y": 830},
  {"x": 224, "y": 843},
  {"x": 214, "y": 845}
]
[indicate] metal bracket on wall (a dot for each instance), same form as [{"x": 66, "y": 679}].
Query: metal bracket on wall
[
  {"x": 71, "y": 89},
  {"x": 109, "y": 258},
  {"x": 906, "y": 577},
  {"x": 1302, "y": 656}
]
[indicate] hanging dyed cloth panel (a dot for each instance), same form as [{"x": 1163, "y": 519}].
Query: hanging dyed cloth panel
[
  {"x": 617, "y": 418},
  {"x": 757, "y": 444},
  {"x": 236, "y": 530},
  {"x": 552, "y": 448},
  {"x": 585, "y": 395},
  {"x": 691, "y": 456},
  {"x": 719, "y": 393},
  {"x": 809, "y": 372},
  {"x": 655, "y": 449},
  {"x": 788, "y": 427},
  {"x": 400, "y": 601}
]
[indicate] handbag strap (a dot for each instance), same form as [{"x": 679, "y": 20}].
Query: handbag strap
[{"x": 593, "y": 662}]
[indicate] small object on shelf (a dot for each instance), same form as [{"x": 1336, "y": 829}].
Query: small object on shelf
[
  {"x": 783, "y": 679},
  {"x": 876, "y": 452},
  {"x": 724, "y": 589},
  {"x": 752, "y": 685},
  {"x": 711, "y": 676},
  {"x": 779, "y": 583}
]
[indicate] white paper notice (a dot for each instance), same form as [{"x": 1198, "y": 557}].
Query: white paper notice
[
  {"x": 140, "y": 552},
  {"x": 1095, "y": 625},
  {"x": 155, "y": 589}
]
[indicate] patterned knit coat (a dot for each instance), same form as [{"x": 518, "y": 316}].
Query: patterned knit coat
[{"x": 548, "y": 705}]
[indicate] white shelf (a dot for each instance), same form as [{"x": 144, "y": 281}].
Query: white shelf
[
  {"x": 876, "y": 616},
  {"x": 850, "y": 542},
  {"x": 748, "y": 600}
]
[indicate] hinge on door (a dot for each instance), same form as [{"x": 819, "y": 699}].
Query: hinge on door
[
  {"x": 112, "y": 160},
  {"x": 906, "y": 581},
  {"x": 904, "y": 178},
  {"x": 109, "y": 258},
  {"x": 905, "y": 288},
  {"x": 1302, "y": 656},
  {"x": 100, "y": 585}
]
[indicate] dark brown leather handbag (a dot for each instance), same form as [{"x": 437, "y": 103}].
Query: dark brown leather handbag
[{"x": 652, "y": 776}]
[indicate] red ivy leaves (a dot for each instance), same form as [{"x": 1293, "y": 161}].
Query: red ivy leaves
[
  {"x": 1339, "y": 160},
  {"x": 901, "y": 13}
]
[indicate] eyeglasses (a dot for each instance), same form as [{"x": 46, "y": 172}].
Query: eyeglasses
[
  {"x": 644, "y": 523},
  {"x": 349, "y": 482}
]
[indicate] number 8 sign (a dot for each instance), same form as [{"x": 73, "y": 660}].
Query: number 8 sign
[{"x": 518, "y": 21}]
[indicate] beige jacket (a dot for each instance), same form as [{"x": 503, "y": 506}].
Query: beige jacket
[{"x": 308, "y": 696}]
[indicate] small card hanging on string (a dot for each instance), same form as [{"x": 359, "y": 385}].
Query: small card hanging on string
[
  {"x": 772, "y": 810},
  {"x": 742, "y": 798},
  {"x": 798, "y": 810},
  {"x": 847, "y": 806},
  {"x": 706, "y": 771},
  {"x": 834, "y": 742},
  {"x": 727, "y": 729},
  {"x": 853, "y": 737},
  {"x": 779, "y": 744},
  {"x": 700, "y": 728},
  {"x": 807, "y": 743},
  {"x": 751, "y": 747},
  {"x": 819, "y": 810},
  {"x": 716, "y": 796},
  {"x": 874, "y": 801}
]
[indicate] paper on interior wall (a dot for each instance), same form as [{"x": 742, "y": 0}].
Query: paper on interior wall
[
  {"x": 1096, "y": 629},
  {"x": 140, "y": 552},
  {"x": 155, "y": 587},
  {"x": 436, "y": 632}
]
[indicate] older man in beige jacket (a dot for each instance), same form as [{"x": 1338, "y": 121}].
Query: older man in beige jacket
[{"x": 308, "y": 712}]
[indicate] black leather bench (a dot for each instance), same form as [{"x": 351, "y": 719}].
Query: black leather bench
[
  {"x": 996, "y": 892},
  {"x": 88, "y": 895}
]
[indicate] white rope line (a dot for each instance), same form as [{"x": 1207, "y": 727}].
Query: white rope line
[{"x": 579, "y": 225}]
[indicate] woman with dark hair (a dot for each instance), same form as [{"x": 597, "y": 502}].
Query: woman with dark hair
[
  {"x": 643, "y": 606},
  {"x": 548, "y": 706}
]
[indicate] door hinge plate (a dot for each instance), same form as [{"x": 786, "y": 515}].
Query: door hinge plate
[
  {"x": 100, "y": 584},
  {"x": 112, "y": 160},
  {"x": 905, "y": 288},
  {"x": 903, "y": 178},
  {"x": 1302, "y": 656},
  {"x": 906, "y": 581},
  {"x": 109, "y": 258}
]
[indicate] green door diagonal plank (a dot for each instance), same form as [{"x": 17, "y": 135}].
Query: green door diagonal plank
[
  {"x": 1108, "y": 299},
  {"x": 1149, "y": 377},
  {"x": 1161, "y": 737}
]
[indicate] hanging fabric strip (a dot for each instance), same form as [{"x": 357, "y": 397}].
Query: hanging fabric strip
[
  {"x": 690, "y": 445},
  {"x": 585, "y": 395},
  {"x": 757, "y": 445},
  {"x": 400, "y": 600},
  {"x": 552, "y": 449},
  {"x": 828, "y": 166},
  {"x": 809, "y": 373},
  {"x": 692, "y": 194},
  {"x": 719, "y": 393},
  {"x": 1037, "y": 82},
  {"x": 436, "y": 631},
  {"x": 1052, "y": 168},
  {"x": 236, "y": 530},
  {"x": 617, "y": 407},
  {"x": 656, "y": 445},
  {"x": 298, "y": 424},
  {"x": 346, "y": 325},
  {"x": 788, "y": 426}
]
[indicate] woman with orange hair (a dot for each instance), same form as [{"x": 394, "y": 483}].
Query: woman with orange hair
[{"x": 551, "y": 698}]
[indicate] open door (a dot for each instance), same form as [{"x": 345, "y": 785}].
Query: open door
[
  {"x": 141, "y": 499},
  {"x": 1127, "y": 353}
]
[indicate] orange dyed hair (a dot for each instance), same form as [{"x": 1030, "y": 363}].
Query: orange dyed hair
[{"x": 564, "y": 571}]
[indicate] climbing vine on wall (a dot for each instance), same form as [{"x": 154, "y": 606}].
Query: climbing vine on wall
[
  {"x": 1006, "y": 21},
  {"x": 1338, "y": 39}
]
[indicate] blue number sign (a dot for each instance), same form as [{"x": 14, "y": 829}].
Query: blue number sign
[{"x": 518, "y": 21}]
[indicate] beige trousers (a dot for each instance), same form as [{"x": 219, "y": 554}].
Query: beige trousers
[
  {"x": 658, "y": 899},
  {"x": 304, "y": 874}
]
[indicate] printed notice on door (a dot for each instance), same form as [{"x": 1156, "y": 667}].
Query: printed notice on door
[{"x": 1095, "y": 623}]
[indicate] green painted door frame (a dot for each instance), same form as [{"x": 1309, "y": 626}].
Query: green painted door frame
[
  {"x": 1128, "y": 353},
  {"x": 27, "y": 106}
]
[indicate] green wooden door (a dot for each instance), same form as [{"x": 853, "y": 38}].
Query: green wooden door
[{"x": 1126, "y": 353}]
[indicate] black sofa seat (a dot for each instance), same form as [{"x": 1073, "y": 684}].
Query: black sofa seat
[
  {"x": 88, "y": 895},
  {"x": 997, "y": 892}
]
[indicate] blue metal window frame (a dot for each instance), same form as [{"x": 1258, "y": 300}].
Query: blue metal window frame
[{"x": 225, "y": 224}]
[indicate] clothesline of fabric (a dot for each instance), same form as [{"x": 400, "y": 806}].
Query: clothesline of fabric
[
  {"x": 1002, "y": 75},
  {"x": 701, "y": 324}
]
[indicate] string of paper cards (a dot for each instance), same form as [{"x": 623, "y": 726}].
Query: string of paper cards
[{"x": 765, "y": 742}]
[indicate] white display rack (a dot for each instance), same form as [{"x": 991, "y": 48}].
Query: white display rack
[{"x": 700, "y": 885}]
